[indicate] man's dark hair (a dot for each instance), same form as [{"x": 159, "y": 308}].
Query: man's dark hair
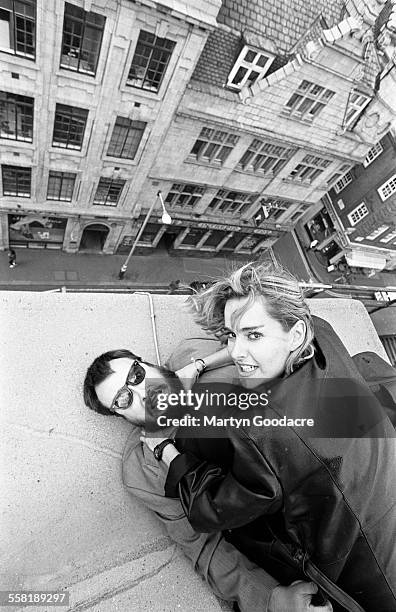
[{"x": 97, "y": 372}]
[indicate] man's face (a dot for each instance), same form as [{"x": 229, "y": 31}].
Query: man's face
[{"x": 107, "y": 390}]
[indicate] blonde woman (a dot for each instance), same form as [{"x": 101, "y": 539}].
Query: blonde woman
[{"x": 302, "y": 502}]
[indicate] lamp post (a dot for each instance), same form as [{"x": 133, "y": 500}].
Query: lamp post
[{"x": 166, "y": 219}]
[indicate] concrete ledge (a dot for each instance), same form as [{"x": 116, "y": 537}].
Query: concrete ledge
[{"x": 66, "y": 520}]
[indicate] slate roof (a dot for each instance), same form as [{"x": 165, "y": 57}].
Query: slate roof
[
  {"x": 286, "y": 23},
  {"x": 282, "y": 21}
]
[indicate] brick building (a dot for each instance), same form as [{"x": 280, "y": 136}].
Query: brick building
[
  {"x": 362, "y": 205},
  {"x": 242, "y": 113}
]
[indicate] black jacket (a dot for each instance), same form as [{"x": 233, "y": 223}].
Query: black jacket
[{"x": 298, "y": 505}]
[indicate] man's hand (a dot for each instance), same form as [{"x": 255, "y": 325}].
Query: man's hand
[
  {"x": 296, "y": 598},
  {"x": 151, "y": 442}
]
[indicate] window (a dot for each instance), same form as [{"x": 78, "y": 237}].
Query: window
[
  {"x": 388, "y": 237},
  {"x": 356, "y": 104},
  {"x": 337, "y": 175},
  {"x": 358, "y": 213},
  {"x": 249, "y": 67},
  {"x": 152, "y": 55},
  {"x": 69, "y": 127},
  {"x": 16, "y": 117},
  {"x": 231, "y": 202},
  {"x": 265, "y": 158},
  {"x": 82, "y": 38},
  {"x": 16, "y": 181},
  {"x": 61, "y": 186},
  {"x": 183, "y": 195},
  {"x": 272, "y": 209},
  {"x": 374, "y": 152},
  {"x": 309, "y": 169},
  {"x": 308, "y": 101},
  {"x": 388, "y": 188},
  {"x": 343, "y": 182},
  {"x": 17, "y": 27},
  {"x": 126, "y": 138},
  {"x": 108, "y": 192},
  {"x": 380, "y": 230},
  {"x": 213, "y": 146}
]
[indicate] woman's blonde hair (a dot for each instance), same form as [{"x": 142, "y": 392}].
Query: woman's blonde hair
[{"x": 283, "y": 298}]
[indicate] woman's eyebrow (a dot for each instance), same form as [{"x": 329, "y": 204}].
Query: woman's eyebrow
[{"x": 252, "y": 327}]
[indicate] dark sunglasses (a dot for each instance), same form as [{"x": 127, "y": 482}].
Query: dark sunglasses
[{"x": 124, "y": 396}]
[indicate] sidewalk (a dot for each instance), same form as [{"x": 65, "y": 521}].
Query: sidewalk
[
  {"x": 318, "y": 267},
  {"x": 46, "y": 267}
]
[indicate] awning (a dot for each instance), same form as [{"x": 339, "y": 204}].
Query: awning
[{"x": 366, "y": 260}]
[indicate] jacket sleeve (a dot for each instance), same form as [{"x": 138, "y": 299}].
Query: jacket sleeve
[{"x": 214, "y": 499}]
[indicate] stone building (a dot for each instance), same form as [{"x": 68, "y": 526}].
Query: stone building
[
  {"x": 242, "y": 113},
  {"x": 87, "y": 92}
]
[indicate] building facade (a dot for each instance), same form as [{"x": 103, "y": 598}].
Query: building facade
[
  {"x": 87, "y": 92},
  {"x": 242, "y": 114},
  {"x": 361, "y": 208}
]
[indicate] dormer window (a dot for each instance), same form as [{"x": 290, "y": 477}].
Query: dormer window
[
  {"x": 250, "y": 66},
  {"x": 356, "y": 104}
]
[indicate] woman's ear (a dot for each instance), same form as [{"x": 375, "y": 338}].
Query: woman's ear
[{"x": 297, "y": 335}]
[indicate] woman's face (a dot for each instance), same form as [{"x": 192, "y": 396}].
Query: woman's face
[{"x": 257, "y": 343}]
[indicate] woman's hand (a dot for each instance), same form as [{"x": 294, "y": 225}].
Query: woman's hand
[{"x": 188, "y": 376}]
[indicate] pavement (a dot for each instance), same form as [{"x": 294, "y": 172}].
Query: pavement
[{"x": 41, "y": 268}]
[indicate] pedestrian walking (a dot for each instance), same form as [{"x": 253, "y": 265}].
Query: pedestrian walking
[{"x": 11, "y": 258}]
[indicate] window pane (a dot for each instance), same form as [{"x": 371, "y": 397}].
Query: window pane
[
  {"x": 82, "y": 37},
  {"x": 17, "y": 27},
  {"x": 150, "y": 61},
  {"x": 239, "y": 76}
]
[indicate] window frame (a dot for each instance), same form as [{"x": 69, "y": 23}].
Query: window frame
[
  {"x": 215, "y": 140},
  {"x": 252, "y": 154},
  {"x": 374, "y": 152},
  {"x": 249, "y": 66},
  {"x": 343, "y": 182},
  {"x": 306, "y": 97},
  {"x": 152, "y": 49},
  {"x": 111, "y": 183},
  {"x": 191, "y": 191},
  {"x": 13, "y": 25},
  {"x": 235, "y": 205},
  {"x": 309, "y": 169},
  {"x": 14, "y": 100},
  {"x": 17, "y": 169},
  {"x": 63, "y": 176},
  {"x": 387, "y": 189},
  {"x": 72, "y": 115},
  {"x": 121, "y": 140},
  {"x": 349, "y": 121},
  {"x": 357, "y": 211},
  {"x": 85, "y": 24}
]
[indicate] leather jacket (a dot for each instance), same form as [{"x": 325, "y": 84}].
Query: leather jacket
[{"x": 298, "y": 505}]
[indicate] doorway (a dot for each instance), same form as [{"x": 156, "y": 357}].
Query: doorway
[{"x": 94, "y": 237}]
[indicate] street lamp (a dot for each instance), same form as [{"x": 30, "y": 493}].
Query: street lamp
[{"x": 166, "y": 219}]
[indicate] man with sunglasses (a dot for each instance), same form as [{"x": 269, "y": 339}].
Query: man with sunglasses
[{"x": 119, "y": 383}]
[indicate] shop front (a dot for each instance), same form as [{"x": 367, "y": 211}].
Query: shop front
[
  {"x": 197, "y": 237},
  {"x": 36, "y": 231}
]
